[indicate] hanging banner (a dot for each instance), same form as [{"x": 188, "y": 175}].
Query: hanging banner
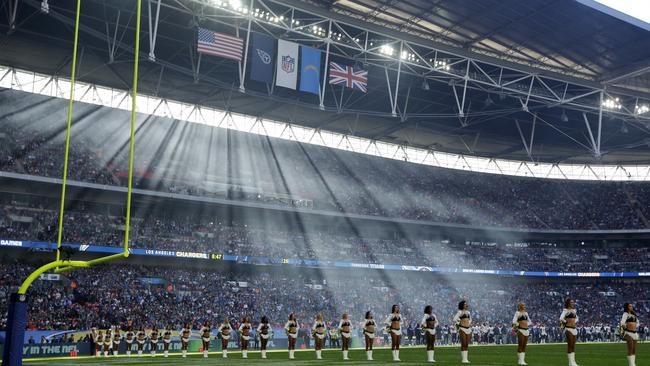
[
  {"x": 310, "y": 69},
  {"x": 261, "y": 56},
  {"x": 286, "y": 73}
]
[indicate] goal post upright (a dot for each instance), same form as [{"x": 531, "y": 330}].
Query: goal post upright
[{"x": 18, "y": 304}]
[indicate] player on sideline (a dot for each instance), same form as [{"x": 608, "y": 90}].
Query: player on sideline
[
  {"x": 153, "y": 340},
  {"x": 369, "y": 333},
  {"x": 117, "y": 338},
  {"x": 568, "y": 320},
  {"x": 394, "y": 328},
  {"x": 205, "y": 337},
  {"x": 628, "y": 326},
  {"x": 224, "y": 331},
  {"x": 245, "y": 335},
  {"x": 291, "y": 328},
  {"x": 463, "y": 321},
  {"x": 428, "y": 325},
  {"x": 345, "y": 327},
  {"x": 520, "y": 325},
  {"x": 141, "y": 337},
  {"x": 129, "y": 337},
  {"x": 186, "y": 332},
  {"x": 318, "y": 330},
  {"x": 167, "y": 340},
  {"x": 263, "y": 331}
]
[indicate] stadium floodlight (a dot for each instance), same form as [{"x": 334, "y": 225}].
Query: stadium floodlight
[
  {"x": 641, "y": 109},
  {"x": 612, "y": 103},
  {"x": 235, "y": 4},
  {"x": 387, "y": 50}
]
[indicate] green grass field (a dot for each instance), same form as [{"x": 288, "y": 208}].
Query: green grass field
[{"x": 593, "y": 354}]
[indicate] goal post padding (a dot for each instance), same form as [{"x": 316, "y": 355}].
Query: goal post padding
[{"x": 15, "y": 336}]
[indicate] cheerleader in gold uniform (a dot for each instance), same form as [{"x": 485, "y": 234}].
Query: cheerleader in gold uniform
[{"x": 291, "y": 328}]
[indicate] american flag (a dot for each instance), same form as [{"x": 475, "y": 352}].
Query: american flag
[
  {"x": 219, "y": 44},
  {"x": 348, "y": 75}
]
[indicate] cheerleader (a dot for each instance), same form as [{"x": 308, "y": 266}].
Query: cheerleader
[
  {"x": 520, "y": 326},
  {"x": 99, "y": 343},
  {"x": 394, "y": 328},
  {"x": 291, "y": 328},
  {"x": 629, "y": 325},
  {"x": 224, "y": 331},
  {"x": 167, "y": 340},
  {"x": 568, "y": 320},
  {"x": 205, "y": 337},
  {"x": 95, "y": 336},
  {"x": 345, "y": 327},
  {"x": 263, "y": 331},
  {"x": 245, "y": 334},
  {"x": 153, "y": 340},
  {"x": 141, "y": 337},
  {"x": 319, "y": 329},
  {"x": 117, "y": 338},
  {"x": 428, "y": 325},
  {"x": 369, "y": 333},
  {"x": 129, "y": 337},
  {"x": 186, "y": 332},
  {"x": 463, "y": 321},
  {"x": 108, "y": 343}
]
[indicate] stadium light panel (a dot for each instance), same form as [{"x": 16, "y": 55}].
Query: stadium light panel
[{"x": 612, "y": 103}]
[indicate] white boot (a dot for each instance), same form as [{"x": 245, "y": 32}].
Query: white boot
[
  {"x": 464, "y": 356},
  {"x": 394, "y": 355},
  {"x": 244, "y": 353},
  {"x": 184, "y": 353},
  {"x": 631, "y": 360},
  {"x": 369, "y": 353},
  {"x": 521, "y": 358},
  {"x": 205, "y": 354},
  {"x": 114, "y": 353},
  {"x": 430, "y": 356},
  {"x": 263, "y": 353},
  {"x": 128, "y": 353},
  {"x": 166, "y": 353},
  {"x": 139, "y": 353},
  {"x": 224, "y": 354},
  {"x": 153, "y": 353},
  {"x": 318, "y": 355},
  {"x": 291, "y": 354},
  {"x": 98, "y": 353},
  {"x": 572, "y": 359},
  {"x": 345, "y": 355}
]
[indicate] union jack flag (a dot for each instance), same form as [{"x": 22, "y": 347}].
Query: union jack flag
[{"x": 348, "y": 75}]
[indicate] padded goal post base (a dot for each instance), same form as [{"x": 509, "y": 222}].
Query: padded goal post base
[{"x": 15, "y": 336}]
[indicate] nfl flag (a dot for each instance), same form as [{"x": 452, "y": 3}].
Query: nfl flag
[
  {"x": 219, "y": 44},
  {"x": 261, "y": 55},
  {"x": 349, "y": 76},
  {"x": 286, "y": 73},
  {"x": 309, "y": 69}
]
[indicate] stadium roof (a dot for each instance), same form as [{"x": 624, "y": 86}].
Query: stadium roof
[{"x": 537, "y": 80}]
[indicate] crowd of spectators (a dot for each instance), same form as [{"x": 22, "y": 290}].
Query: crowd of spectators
[
  {"x": 196, "y": 234},
  {"x": 161, "y": 296},
  {"x": 192, "y": 159}
]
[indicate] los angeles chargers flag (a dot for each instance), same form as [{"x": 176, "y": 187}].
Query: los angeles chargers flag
[
  {"x": 349, "y": 76},
  {"x": 286, "y": 73},
  {"x": 262, "y": 54},
  {"x": 309, "y": 69}
]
